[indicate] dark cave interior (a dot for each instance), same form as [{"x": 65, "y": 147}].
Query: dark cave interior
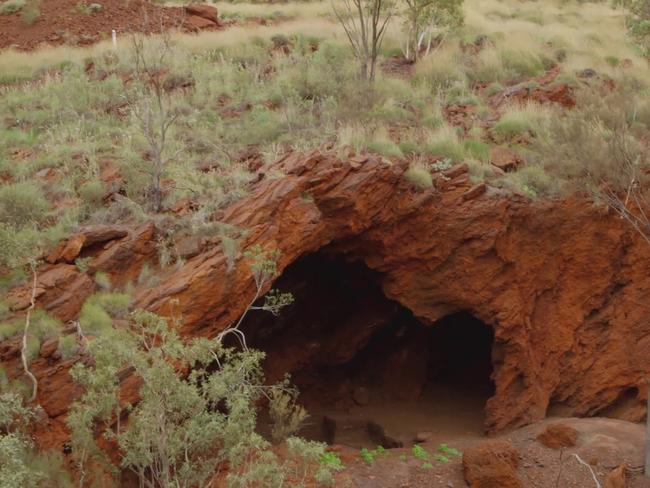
[{"x": 364, "y": 364}]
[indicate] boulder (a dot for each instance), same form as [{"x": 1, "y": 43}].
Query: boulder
[
  {"x": 505, "y": 158},
  {"x": 194, "y": 23},
  {"x": 378, "y": 436},
  {"x": 491, "y": 464},
  {"x": 475, "y": 191},
  {"x": 207, "y": 12},
  {"x": 456, "y": 170},
  {"x": 616, "y": 478},
  {"x": 557, "y": 436}
]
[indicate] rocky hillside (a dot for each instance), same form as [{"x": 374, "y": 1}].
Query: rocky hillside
[{"x": 282, "y": 272}]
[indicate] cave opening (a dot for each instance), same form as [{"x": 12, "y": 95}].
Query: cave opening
[{"x": 369, "y": 372}]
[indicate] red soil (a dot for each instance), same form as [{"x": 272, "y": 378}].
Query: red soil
[{"x": 66, "y": 22}]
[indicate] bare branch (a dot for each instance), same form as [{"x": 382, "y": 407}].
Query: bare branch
[{"x": 23, "y": 351}]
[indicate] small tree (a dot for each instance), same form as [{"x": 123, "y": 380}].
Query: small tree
[
  {"x": 423, "y": 18},
  {"x": 20, "y": 463},
  {"x": 152, "y": 105},
  {"x": 197, "y": 407},
  {"x": 184, "y": 425},
  {"x": 365, "y": 23}
]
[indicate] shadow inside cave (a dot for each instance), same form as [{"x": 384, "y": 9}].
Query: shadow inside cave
[{"x": 368, "y": 371}]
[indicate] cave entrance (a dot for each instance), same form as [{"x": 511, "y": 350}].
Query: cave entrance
[{"x": 368, "y": 371}]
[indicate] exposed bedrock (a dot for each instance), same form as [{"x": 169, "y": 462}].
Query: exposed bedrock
[{"x": 563, "y": 285}]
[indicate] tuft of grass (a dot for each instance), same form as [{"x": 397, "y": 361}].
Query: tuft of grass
[
  {"x": 494, "y": 88},
  {"x": 31, "y": 11},
  {"x": 409, "y": 147},
  {"x": 533, "y": 181},
  {"x": 419, "y": 176},
  {"x": 386, "y": 148},
  {"x": 517, "y": 120},
  {"x": 442, "y": 69},
  {"x": 12, "y": 6},
  {"x": 521, "y": 63},
  {"x": 477, "y": 149},
  {"x": 445, "y": 143}
]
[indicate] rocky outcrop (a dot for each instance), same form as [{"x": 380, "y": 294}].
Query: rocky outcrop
[
  {"x": 563, "y": 284},
  {"x": 201, "y": 17}
]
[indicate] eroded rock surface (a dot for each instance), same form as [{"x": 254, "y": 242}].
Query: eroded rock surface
[{"x": 563, "y": 284}]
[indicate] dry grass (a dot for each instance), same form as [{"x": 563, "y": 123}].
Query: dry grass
[
  {"x": 592, "y": 35},
  {"x": 18, "y": 63},
  {"x": 589, "y": 33}
]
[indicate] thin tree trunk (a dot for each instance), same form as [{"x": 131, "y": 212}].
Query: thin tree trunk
[
  {"x": 23, "y": 350},
  {"x": 647, "y": 436}
]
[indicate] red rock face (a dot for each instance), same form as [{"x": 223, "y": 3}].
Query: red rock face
[{"x": 564, "y": 285}]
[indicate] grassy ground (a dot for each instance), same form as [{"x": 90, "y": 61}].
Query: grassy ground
[{"x": 292, "y": 85}]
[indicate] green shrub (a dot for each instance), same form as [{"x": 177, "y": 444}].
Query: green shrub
[
  {"x": 449, "y": 451},
  {"x": 198, "y": 437},
  {"x": 419, "y": 452},
  {"x": 92, "y": 192},
  {"x": 10, "y": 329},
  {"x": 99, "y": 310},
  {"x": 12, "y": 6},
  {"x": 17, "y": 246},
  {"x": 369, "y": 456},
  {"x": 419, "y": 176},
  {"x": 68, "y": 346},
  {"x": 22, "y": 203}
]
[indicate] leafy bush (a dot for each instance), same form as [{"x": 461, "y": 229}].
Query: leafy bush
[
  {"x": 92, "y": 192},
  {"x": 68, "y": 346},
  {"x": 638, "y": 21},
  {"x": 98, "y": 312},
  {"x": 22, "y": 203},
  {"x": 369, "y": 456},
  {"x": 175, "y": 433},
  {"x": 20, "y": 463},
  {"x": 420, "y": 453},
  {"x": 591, "y": 146}
]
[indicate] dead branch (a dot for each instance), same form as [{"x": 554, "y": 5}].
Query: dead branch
[{"x": 23, "y": 351}]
